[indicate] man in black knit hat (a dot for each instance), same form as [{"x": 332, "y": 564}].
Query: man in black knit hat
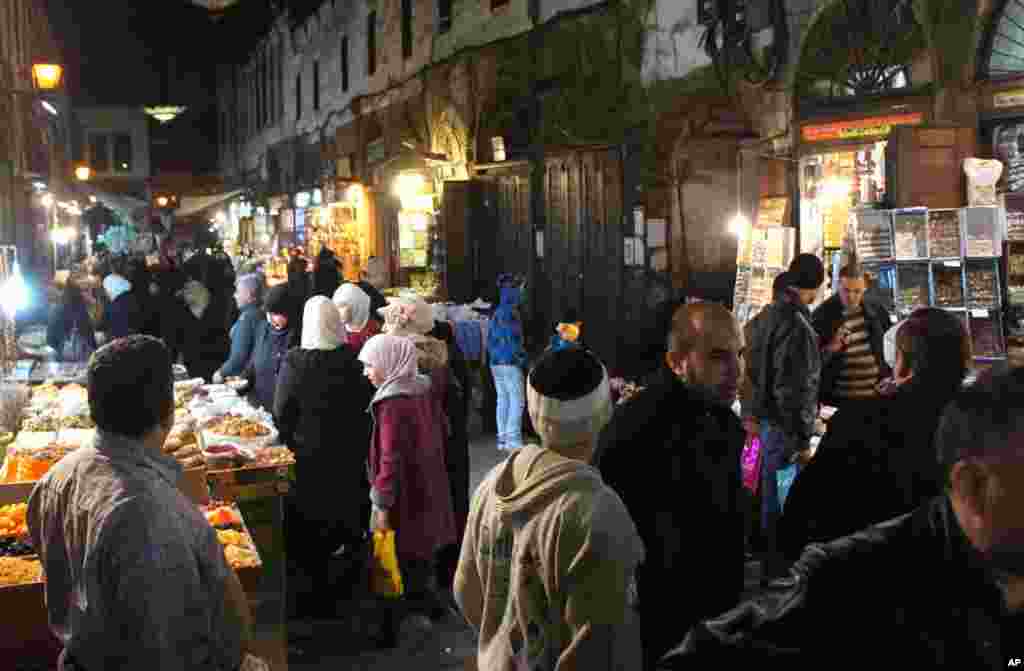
[{"x": 786, "y": 366}]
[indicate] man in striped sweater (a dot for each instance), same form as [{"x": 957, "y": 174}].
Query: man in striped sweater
[{"x": 851, "y": 331}]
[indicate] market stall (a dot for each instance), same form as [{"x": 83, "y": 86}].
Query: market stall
[{"x": 233, "y": 470}]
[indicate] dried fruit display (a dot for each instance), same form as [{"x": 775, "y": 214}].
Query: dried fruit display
[
  {"x": 238, "y": 427},
  {"x": 981, "y": 287},
  {"x": 948, "y": 288},
  {"x": 12, "y": 520},
  {"x": 944, "y": 234},
  {"x": 19, "y": 571},
  {"x": 241, "y": 557}
]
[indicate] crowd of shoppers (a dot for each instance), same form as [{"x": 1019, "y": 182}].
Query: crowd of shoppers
[{"x": 618, "y": 540}]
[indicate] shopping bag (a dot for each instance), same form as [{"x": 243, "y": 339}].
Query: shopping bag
[
  {"x": 385, "y": 578},
  {"x": 784, "y": 478},
  {"x": 751, "y": 462}
]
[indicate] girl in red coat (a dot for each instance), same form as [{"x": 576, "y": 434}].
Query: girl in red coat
[{"x": 408, "y": 477}]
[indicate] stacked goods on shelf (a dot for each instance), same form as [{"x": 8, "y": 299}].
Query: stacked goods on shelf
[
  {"x": 949, "y": 291},
  {"x": 874, "y": 235},
  {"x": 980, "y": 232},
  {"x": 944, "y": 234},
  {"x": 982, "y": 286},
  {"x": 910, "y": 234},
  {"x": 913, "y": 287}
]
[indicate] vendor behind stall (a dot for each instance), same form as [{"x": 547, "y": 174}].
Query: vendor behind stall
[
  {"x": 135, "y": 576},
  {"x": 274, "y": 336},
  {"x": 249, "y": 296}
]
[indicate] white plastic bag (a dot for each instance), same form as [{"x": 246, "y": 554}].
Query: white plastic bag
[{"x": 982, "y": 176}]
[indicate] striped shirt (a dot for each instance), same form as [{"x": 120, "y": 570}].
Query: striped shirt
[{"x": 859, "y": 373}]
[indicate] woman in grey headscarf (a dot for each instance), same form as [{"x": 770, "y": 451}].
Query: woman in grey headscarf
[{"x": 354, "y": 309}]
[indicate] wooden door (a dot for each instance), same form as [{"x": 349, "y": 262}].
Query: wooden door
[{"x": 924, "y": 165}]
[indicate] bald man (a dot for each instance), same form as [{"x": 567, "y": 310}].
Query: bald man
[{"x": 673, "y": 454}]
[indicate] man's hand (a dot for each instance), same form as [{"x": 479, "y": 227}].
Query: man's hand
[
  {"x": 838, "y": 342},
  {"x": 381, "y": 519},
  {"x": 804, "y": 457}
]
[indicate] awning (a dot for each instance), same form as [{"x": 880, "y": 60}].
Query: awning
[{"x": 194, "y": 204}]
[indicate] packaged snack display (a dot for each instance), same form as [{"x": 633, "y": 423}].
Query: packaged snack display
[
  {"x": 944, "y": 234},
  {"x": 949, "y": 292},
  {"x": 910, "y": 232},
  {"x": 874, "y": 235},
  {"x": 982, "y": 285}
]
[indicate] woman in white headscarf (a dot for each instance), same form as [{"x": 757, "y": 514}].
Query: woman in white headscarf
[
  {"x": 320, "y": 407},
  {"x": 354, "y": 307}
]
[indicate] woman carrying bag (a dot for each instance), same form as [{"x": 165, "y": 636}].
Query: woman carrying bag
[{"x": 408, "y": 477}]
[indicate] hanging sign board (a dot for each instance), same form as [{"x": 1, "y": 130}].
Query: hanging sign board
[
  {"x": 771, "y": 212},
  {"x": 872, "y": 127},
  {"x": 1011, "y": 98}
]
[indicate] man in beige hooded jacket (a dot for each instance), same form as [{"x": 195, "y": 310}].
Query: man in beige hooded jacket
[{"x": 550, "y": 552}]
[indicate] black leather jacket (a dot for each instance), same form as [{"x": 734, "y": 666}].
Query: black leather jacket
[
  {"x": 784, "y": 365},
  {"x": 909, "y": 593}
]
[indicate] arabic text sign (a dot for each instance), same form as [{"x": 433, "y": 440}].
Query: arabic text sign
[{"x": 861, "y": 128}]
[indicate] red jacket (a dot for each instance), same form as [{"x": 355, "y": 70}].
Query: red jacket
[{"x": 408, "y": 475}]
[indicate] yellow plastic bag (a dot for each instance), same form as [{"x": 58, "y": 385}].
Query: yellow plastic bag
[{"x": 385, "y": 577}]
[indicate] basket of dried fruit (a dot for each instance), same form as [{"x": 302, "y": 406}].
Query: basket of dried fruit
[{"x": 243, "y": 431}]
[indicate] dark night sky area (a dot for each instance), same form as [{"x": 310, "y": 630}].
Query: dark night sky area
[{"x": 117, "y": 53}]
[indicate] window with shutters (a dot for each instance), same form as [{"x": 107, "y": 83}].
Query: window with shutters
[
  {"x": 444, "y": 16},
  {"x": 316, "y": 86},
  {"x": 344, "y": 63},
  {"x": 371, "y": 43},
  {"x": 406, "y": 29}
]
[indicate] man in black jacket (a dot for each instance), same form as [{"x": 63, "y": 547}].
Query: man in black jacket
[
  {"x": 939, "y": 588},
  {"x": 786, "y": 366},
  {"x": 851, "y": 331},
  {"x": 673, "y": 454}
]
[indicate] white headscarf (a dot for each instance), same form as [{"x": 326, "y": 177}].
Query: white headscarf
[
  {"x": 353, "y": 306},
  {"x": 321, "y": 325},
  {"x": 889, "y": 344},
  {"x": 395, "y": 358},
  {"x": 115, "y": 286},
  {"x": 407, "y": 315}
]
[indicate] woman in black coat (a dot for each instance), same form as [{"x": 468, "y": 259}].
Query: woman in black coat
[
  {"x": 72, "y": 314},
  {"x": 457, "y": 449},
  {"x": 275, "y": 336},
  {"x": 878, "y": 461},
  {"x": 321, "y": 411}
]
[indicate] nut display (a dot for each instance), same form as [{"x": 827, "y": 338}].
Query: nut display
[
  {"x": 948, "y": 289},
  {"x": 943, "y": 234},
  {"x": 981, "y": 287}
]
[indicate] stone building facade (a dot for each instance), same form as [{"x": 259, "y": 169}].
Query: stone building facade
[{"x": 33, "y": 145}]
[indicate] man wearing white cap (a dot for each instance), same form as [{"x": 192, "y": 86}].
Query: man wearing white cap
[{"x": 550, "y": 551}]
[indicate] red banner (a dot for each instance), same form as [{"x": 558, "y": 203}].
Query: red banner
[{"x": 872, "y": 127}]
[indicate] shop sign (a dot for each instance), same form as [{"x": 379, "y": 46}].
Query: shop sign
[
  {"x": 872, "y": 127},
  {"x": 771, "y": 212},
  {"x": 1011, "y": 98}
]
